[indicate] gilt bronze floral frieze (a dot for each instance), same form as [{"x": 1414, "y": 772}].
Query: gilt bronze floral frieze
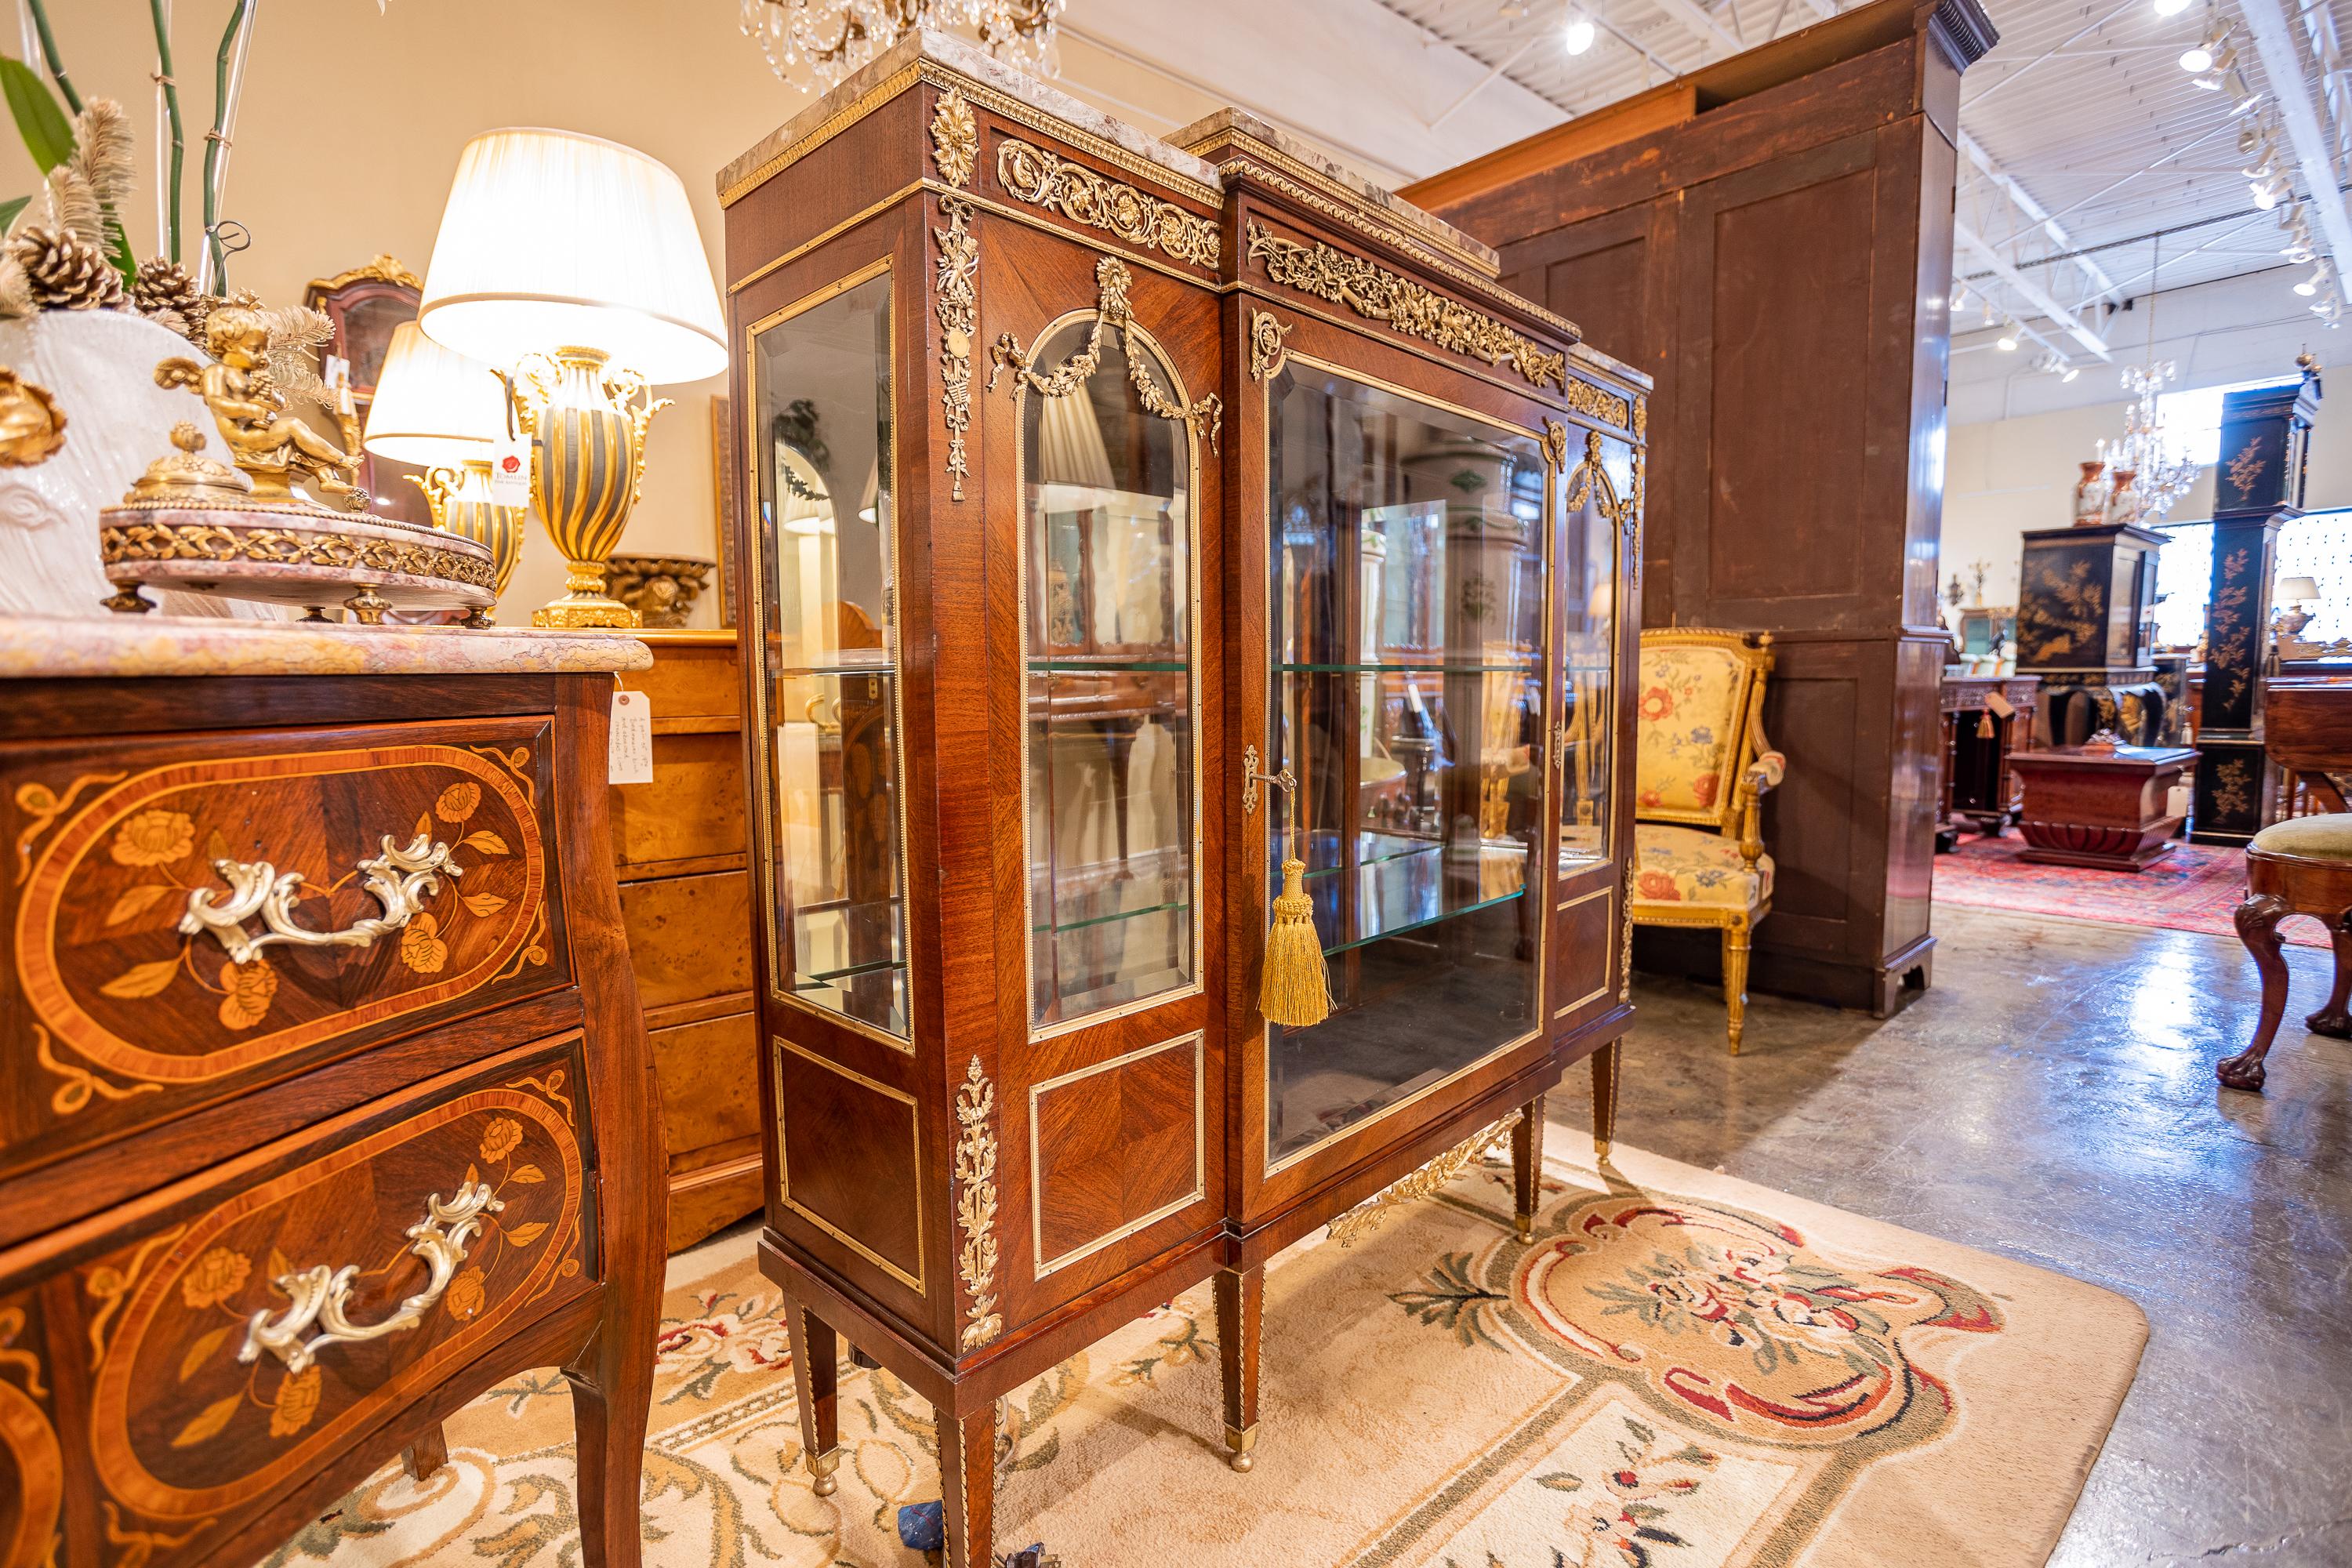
[
  {"x": 1060, "y": 186},
  {"x": 1413, "y": 308}
]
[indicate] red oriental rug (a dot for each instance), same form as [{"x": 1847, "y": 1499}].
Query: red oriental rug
[{"x": 2194, "y": 887}]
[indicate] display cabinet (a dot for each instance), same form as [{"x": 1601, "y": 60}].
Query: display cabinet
[{"x": 1122, "y": 518}]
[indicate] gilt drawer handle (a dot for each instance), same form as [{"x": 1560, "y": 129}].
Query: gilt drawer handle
[
  {"x": 399, "y": 879},
  {"x": 321, "y": 1294}
]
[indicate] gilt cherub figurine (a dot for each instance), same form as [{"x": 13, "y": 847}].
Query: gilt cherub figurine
[{"x": 270, "y": 446}]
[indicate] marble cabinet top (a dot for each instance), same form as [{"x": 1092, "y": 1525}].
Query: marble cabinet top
[{"x": 44, "y": 646}]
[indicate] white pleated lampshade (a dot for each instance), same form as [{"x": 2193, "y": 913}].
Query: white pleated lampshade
[
  {"x": 555, "y": 239},
  {"x": 434, "y": 406}
]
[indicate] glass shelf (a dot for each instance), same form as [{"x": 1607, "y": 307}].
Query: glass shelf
[{"x": 1406, "y": 603}]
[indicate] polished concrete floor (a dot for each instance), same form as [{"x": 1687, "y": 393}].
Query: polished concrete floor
[{"x": 2053, "y": 1099}]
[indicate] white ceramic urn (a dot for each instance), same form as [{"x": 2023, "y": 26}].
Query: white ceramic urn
[{"x": 100, "y": 365}]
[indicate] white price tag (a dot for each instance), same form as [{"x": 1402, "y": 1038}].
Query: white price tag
[
  {"x": 510, "y": 471},
  {"x": 629, "y": 758}
]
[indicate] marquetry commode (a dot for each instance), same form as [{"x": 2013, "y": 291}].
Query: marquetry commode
[
  {"x": 325, "y": 1103},
  {"x": 1118, "y": 520}
]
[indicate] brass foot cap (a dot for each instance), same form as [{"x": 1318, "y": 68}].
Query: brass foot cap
[
  {"x": 1601, "y": 1149},
  {"x": 822, "y": 1467},
  {"x": 1242, "y": 1463},
  {"x": 1526, "y": 1226}
]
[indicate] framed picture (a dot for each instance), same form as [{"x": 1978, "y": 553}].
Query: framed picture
[{"x": 366, "y": 304}]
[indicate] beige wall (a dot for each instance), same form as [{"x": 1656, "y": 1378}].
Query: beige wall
[
  {"x": 2005, "y": 476},
  {"x": 352, "y": 122}
]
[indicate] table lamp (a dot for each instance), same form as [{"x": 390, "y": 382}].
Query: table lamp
[
  {"x": 574, "y": 264},
  {"x": 441, "y": 412},
  {"x": 2292, "y": 594}
]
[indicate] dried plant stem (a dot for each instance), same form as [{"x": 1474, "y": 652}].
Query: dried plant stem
[
  {"x": 49, "y": 52},
  {"x": 171, "y": 227},
  {"x": 225, "y": 85}
]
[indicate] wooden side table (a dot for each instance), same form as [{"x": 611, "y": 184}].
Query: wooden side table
[{"x": 2096, "y": 806}]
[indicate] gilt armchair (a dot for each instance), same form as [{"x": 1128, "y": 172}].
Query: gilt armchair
[{"x": 1702, "y": 768}]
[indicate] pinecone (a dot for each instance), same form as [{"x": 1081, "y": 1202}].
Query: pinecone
[
  {"x": 67, "y": 273},
  {"x": 164, "y": 293}
]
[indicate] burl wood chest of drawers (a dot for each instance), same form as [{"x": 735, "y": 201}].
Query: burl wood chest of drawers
[
  {"x": 325, "y": 1103},
  {"x": 685, "y": 901}
]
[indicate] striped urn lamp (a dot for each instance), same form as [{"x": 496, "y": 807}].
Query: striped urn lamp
[
  {"x": 574, "y": 265},
  {"x": 441, "y": 412}
]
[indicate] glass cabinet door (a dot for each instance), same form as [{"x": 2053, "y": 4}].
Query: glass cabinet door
[
  {"x": 1405, "y": 618},
  {"x": 1109, "y": 598},
  {"x": 821, "y": 452},
  {"x": 1587, "y": 590}
]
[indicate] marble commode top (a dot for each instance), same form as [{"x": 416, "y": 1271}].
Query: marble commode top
[{"x": 45, "y": 645}]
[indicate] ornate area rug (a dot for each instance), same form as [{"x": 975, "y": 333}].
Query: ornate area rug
[
  {"x": 1682, "y": 1371},
  {"x": 2197, "y": 887}
]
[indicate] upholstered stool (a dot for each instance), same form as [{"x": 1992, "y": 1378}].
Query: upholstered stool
[{"x": 2299, "y": 867}]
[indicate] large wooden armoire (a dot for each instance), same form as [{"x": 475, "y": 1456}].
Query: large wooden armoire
[
  {"x": 1120, "y": 519},
  {"x": 1771, "y": 238}
]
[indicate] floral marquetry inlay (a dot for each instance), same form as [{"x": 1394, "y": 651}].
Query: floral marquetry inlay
[{"x": 1413, "y": 308}]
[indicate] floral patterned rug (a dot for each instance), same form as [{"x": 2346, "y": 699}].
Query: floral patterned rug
[
  {"x": 2197, "y": 888},
  {"x": 1682, "y": 1370}
]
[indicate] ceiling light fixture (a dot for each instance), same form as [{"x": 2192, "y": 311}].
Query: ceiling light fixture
[
  {"x": 2071, "y": 370},
  {"x": 835, "y": 38},
  {"x": 2311, "y": 285},
  {"x": 1577, "y": 36},
  {"x": 2007, "y": 342},
  {"x": 2170, "y": 8},
  {"x": 2197, "y": 58}
]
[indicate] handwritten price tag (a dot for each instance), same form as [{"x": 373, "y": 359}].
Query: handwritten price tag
[{"x": 629, "y": 757}]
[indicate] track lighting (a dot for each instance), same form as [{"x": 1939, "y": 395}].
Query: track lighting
[
  {"x": 2197, "y": 58},
  {"x": 2071, "y": 372},
  {"x": 2007, "y": 342},
  {"x": 2170, "y": 8},
  {"x": 2311, "y": 285},
  {"x": 1577, "y": 36}
]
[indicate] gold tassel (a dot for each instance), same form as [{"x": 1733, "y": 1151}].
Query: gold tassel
[
  {"x": 1293, "y": 988},
  {"x": 1984, "y": 724}
]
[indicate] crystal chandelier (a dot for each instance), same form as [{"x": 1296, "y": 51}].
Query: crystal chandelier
[
  {"x": 2164, "y": 475},
  {"x": 835, "y": 38}
]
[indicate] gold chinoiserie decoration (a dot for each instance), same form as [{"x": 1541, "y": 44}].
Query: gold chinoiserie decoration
[
  {"x": 588, "y": 419},
  {"x": 461, "y": 504}
]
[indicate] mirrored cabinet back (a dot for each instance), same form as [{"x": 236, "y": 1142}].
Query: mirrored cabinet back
[{"x": 1120, "y": 520}]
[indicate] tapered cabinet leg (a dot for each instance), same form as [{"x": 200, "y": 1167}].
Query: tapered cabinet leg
[
  {"x": 1604, "y": 1097},
  {"x": 1527, "y": 1167},
  {"x": 2258, "y": 919},
  {"x": 427, "y": 1454},
  {"x": 2333, "y": 1020},
  {"x": 1240, "y": 1302},
  {"x": 611, "y": 1399},
  {"x": 1735, "y": 983},
  {"x": 816, "y": 1372},
  {"x": 968, "y": 1483}
]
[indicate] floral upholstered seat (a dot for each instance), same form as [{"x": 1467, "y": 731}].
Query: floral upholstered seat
[
  {"x": 1703, "y": 766},
  {"x": 1684, "y": 866}
]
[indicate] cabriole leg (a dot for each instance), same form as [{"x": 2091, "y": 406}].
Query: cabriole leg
[
  {"x": 427, "y": 1454},
  {"x": 1527, "y": 1166},
  {"x": 816, "y": 1370},
  {"x": 1241, "y": 1300},
  {"x": 2258, "y": 919},
  {"x": 2333, "y": 1020},
  {"x": 1735, "y": 982},
  {"x": 968, "y": 1483},
  {"x": 611, "y": 1399},
  {"x": 1604, "y": 1097}
]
